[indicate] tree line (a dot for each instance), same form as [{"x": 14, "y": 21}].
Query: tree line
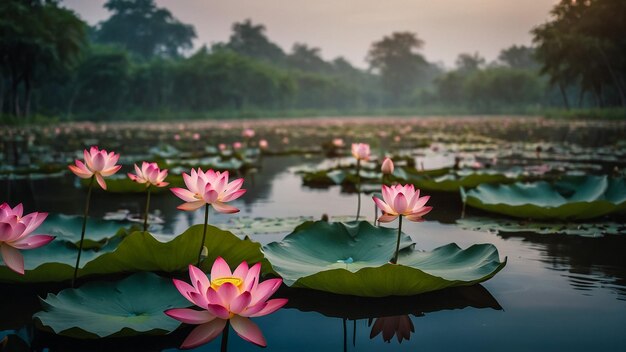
[{"x": 140, "y": 62}]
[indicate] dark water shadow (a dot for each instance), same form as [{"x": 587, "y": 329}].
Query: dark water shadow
[{"x": 353, "y": 307}]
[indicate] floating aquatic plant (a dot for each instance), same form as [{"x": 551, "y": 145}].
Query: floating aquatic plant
[
  {"x": 138, "y": 251},
  {"x": 353, "y": 259},
  {"x": 15, "y": 234},
  {"x": 401, "y": 201},
  {"x": 205, "y": 189},
  {"x": 571, "y": 198},
  {"x": 129, "y": 307},
  {"x": 228, "y": 298},
  {"x": 149, "y": 175},
  {"x": 98, "y": 164}
]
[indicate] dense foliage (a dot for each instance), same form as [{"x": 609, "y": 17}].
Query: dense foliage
[
  {"x": 583, "y": 48},
  {"x": 139, "y": 63}
]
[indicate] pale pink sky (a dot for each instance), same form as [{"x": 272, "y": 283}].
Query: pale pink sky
[{"x": 348, "y": 27}]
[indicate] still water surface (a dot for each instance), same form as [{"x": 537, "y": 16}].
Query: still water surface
[{"x": 557, "y": 292}]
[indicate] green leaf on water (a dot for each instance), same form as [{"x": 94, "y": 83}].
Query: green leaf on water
[
  {"x": 139, "y": 251},
  {"x": 128, "y": 307},
  {"x": 352, "y": 259},
  {"x": 571, "y": 198},
  {"x": 99, "y": 232}
]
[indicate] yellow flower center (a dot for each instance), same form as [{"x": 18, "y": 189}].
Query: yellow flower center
[{"x": 215, "y": 284}]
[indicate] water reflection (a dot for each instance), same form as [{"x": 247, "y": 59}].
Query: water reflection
[
  {"x": 399, "y": 325},
  {"x": 588, "y": 263},
  {"x": 390, "y": 316}
]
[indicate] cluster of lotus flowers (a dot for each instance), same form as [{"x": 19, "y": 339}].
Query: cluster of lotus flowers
[{"x": 228, "y": 297}]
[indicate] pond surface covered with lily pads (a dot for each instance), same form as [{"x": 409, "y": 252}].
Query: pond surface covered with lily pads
[{"x": 563, "y": 286}]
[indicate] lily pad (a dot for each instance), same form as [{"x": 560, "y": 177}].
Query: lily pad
[
  {"x": 247, "y": 226},
  {"x": 571, "y": 198},
  {"x": 353, "y": 259},
  {"x": 120, "y": 183},
  {"x": 453, "y": 180},
  {"x": 591, "y": 229},
  {"x": 129, "y": 307},
  {"x": 213, "y": 162},
  {"x": 99, "y": 232},
  {"x": 444, "y": 180},
  {"x": 139, "y": 251}
]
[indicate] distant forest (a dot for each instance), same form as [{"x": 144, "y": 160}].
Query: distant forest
[{"x": 140, "y": 64}]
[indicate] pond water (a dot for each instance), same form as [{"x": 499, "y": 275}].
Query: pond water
[{"x": 556, "y": 293}]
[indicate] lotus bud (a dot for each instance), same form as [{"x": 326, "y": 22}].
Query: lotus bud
[{"x": 387, "y": 167}]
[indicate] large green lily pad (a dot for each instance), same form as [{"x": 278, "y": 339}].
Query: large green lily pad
[
  {"x": 353, "y": 259},
  {"x": 139, "y": 251},
  {"x": 572, "y": 198},
  {"x": 129, "y": 307}
]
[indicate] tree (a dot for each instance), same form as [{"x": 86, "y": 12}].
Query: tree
[
  {"x": 522, "y": 57},
  {"x": 250, "y": 40},
  {"x": 306, "y": 58},
  {"x": 467, "y": 63},
  {"x": 102, "y": 81},
  {"x": 36, "y": 37},
  {"x": 142, "y": 28},
  {"x": 583, "y": 44},
  {"x": 398, "y": 63}
]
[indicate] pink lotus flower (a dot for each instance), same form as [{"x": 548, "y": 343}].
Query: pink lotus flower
[
  {"x": 399, "y": 325},
  {"x": 263, "y": 144},
  {"x": 235, "y": 296},
  {"x": 237, "y": 145},
  {"x": 387, "y": 167},
  {"x": 402, "y": 200},
  {"x": 212, "y": 188},
  {"x": 149, "y": 174},
  {"x": 361, "y": 151},
  {"x": 338, "y": 142},
  {"x": 14, "y": 235},
  {"x": 98, "y": 163},
  {"x": 247, "y": 133},
  {"x": 221, "y": 146}
]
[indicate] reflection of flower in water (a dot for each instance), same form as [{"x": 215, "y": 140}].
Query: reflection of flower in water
[{"x": 399, "y": 325}]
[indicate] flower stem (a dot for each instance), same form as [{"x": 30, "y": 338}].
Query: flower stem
[
  {"x": 395, "y": 257},
  {"x": 358, "y": 188},
  {"x": 224, "y": 346},
  {"x": 82, "y": 233},
  {"x": 375, "y": 214},
  {"x": 206, "y": 221},
  {"x": 345, "y": 336},
  {"x": 145, "y": 214}
]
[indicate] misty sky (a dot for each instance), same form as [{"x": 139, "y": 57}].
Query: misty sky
[{"x": 348, "y": 27}]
